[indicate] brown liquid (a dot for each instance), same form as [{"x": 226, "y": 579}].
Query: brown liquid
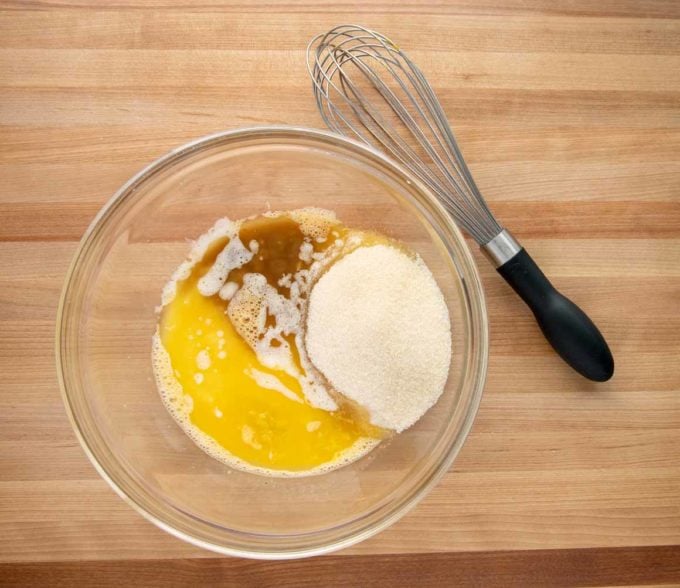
[{"x": 279, "y": 241}]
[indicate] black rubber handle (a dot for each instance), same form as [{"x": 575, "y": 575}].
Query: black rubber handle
[{"x": 568, "y": 329}]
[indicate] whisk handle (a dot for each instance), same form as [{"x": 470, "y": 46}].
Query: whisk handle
[{"x": 568, "y": 329}]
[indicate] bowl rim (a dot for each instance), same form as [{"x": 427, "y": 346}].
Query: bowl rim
[{"x": 478, "y": 299}]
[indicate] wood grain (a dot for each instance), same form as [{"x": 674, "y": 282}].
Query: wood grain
[
  {"x": 567, "y": 567},
  {"x": 569, "y": 114}
]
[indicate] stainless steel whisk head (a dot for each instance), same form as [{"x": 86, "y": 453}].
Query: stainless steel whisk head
[{"x": 367, "y": 88}]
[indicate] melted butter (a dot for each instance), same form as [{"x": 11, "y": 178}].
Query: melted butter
[{"x": 256, "y": 414}]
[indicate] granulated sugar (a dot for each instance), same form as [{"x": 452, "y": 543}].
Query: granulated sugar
[{"x": 378, "y": 329}]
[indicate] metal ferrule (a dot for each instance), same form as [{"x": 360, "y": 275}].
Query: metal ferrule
[{"x": 501, "y": 249}]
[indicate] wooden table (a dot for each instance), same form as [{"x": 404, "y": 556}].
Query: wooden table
[{"x": 569, "y": 114}]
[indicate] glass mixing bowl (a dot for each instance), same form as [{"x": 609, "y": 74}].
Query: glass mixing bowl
[{"x": 107, "y": 317}]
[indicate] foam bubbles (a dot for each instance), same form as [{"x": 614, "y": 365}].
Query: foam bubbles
[
  {"x": 222, "y": 228},
  {"x": 313, "y": 426},
  {"x": 248, "y": 437},
  {"x": 233, "y": 256},
  {"x": 315, "y": 223},
  {"x": 306, "y": 252},
  {"x": 203, "y": 360},
  {"x": 270, "y": 382},
  {"x": 228, "y": 290}
]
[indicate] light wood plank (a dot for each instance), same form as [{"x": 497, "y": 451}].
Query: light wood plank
[
  {"x": 135, "y": 29},
  {"x": 265, "y": 70},
  {"x": 606, "y": 8}
]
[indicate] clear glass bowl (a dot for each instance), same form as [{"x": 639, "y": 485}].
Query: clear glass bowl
[{"x": 107, "y": 317}]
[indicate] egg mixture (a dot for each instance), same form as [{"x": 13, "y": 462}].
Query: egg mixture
[{"x": 229, "y": 353}]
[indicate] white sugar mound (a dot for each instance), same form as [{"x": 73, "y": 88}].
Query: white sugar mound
[{"x": 378, "y": 329}]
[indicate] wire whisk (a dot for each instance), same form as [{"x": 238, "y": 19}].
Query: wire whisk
[
  {"x": 367, "y": 88},
  {"x": 354, "y": 70}
]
